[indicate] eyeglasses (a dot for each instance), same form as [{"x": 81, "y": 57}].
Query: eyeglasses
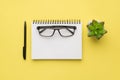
[{"x": 64, "y": 31}]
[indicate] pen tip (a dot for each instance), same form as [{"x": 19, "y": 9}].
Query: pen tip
[
  {"x": 24, "y": 21},
  {"x": 25, "y": 24}
]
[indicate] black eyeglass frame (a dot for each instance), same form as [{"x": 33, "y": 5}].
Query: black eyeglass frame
[{"x": 58, "y": 28}]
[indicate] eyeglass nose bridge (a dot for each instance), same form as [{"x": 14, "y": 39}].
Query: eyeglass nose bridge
[{"x": 57, "y": 31}]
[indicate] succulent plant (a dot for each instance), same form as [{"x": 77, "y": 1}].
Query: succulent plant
[{"x": 96, "y": 29}]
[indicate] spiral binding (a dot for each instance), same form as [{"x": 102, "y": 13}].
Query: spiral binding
[{"x": 68, "y": 21}]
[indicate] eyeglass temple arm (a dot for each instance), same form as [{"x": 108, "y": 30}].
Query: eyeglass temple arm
[
  {"x": 38, "y": 28},
  {"x": 71, "y": 31}
]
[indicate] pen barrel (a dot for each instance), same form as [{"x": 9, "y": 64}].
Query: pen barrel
[
  {"x": 25, "y": 38},
  {"x": 24, "y": 52}
]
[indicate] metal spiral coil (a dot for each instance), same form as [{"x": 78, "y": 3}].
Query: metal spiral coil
[{"x": 48, "y": 21}]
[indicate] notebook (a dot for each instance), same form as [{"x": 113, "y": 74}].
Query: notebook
[{"x": 56, "y": 46}]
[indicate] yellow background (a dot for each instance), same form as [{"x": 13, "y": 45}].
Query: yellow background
[{"x": 101, "y": 59}]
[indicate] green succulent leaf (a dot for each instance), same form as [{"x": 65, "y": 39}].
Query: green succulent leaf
[
  {"x": 90, "y": 27},
  {"x": 91, "y": 34},
  {"x": 96, "y": 32},
  {"x": 102, "y": 32},
  {"x": 94, "y": 23},
  {"x": 98, "y": 36},
  {"x": 102, "y": 23}
]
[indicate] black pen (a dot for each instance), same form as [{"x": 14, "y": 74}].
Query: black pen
[{"x": 25, "y": 40}]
